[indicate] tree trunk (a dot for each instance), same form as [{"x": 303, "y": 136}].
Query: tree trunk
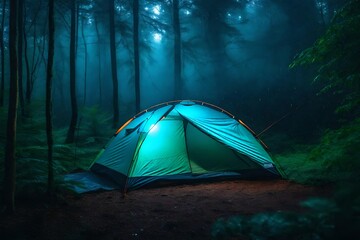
[
  {"x": 113, "y": 63},
  {"x": 31, "y": 70},
  {"x": 77, "y": 14},
  {"x": 49, "y": 76},
  {"x": 30, "y": 82},
  {"x": 27, "y": 65},
  {"x": 215, "y": 31},
  {"x": 74, "y": 114},
  {"x": 20, "y": 54},
  {"x": 10, "y": 160},
  {"x": 86, "y": 62},
  {"x": 99, "y": 62},
  {"x": 2, "y": 49},
  {"x": 178, "y": 85},
  {"x": 136, "y": 53},
  {"x": 27, "y": 96}
]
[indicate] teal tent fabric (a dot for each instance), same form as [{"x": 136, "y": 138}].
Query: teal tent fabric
[{"x": 182, "y": 141}]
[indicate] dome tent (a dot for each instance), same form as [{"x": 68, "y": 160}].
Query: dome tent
[{"x": 182, "y": 141}]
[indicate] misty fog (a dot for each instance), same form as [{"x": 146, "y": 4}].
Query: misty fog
[{"x": 234, "y": 54}]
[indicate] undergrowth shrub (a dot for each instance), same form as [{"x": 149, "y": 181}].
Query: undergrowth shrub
[
  {"x": 336, "y": 218},
  {"x": 31, "y": 149},
  {"x": 336, "y": 160}
]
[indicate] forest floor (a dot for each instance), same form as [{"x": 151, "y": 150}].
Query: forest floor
[{"x": 175, "y": 212}]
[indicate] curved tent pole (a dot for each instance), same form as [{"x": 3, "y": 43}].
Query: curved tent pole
[
  {"x": 199, "y": 102},
  {"x": 178, "y": 101},
  {"x": 124, "y": 125}
]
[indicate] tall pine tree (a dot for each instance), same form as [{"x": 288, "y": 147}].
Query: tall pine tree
[{"x": 10, "y": 159}]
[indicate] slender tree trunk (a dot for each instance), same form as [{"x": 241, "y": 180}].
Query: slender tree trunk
[
  {"x": 42, "y": 53},
  {"x": 10, "y": 160},
  {"x": 215, "y": 44},
  {"x": 29, "y": 74},
  {"x": 2, "y": 49},
  {"x": 99, "y": 62},
  {"x": 49, "y": 76},
  {"x": 74, "y": 114},
  {"x": 113, "y": 63},
  {"x": 20, "y": 54},
  {"x": 77, "y": 14},
  {"x": 36, "y": 59},
  {"x": 86, "y": 60},
  {"x": 30, "y": 82},
  {"x": 136, "y": 53},
  {"x": 178, "y": 85},
  {"x": 59, "y": 84},
  {"x": 27, "y": 95}
]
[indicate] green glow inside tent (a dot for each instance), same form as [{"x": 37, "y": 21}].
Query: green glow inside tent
[{"x": 182, "y": 140}]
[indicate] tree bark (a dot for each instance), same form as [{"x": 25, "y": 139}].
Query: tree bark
[
  {"x": 136, "y": 53},
  {"x": 74, "y": 114},
  {"x": 49, "y": 76},
  {"x": 86, "y": 61},
  {"x": 178, "y": 85},
  {"x": 99, "y": 62},
  {"x": 32, "y": 66},
  {"x": 2, "y": 49},
  {"x": 10, "y": 159},
  {"x": 113, "y": 63},
  {"x": 27, "y": 65},
  {"x": 30, "y": 80},
  {"x": 77, "y": 14},
  {"x": 20, "y": 54}
]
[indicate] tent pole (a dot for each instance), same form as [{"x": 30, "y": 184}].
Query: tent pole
[{"x": 185, "y": 123}]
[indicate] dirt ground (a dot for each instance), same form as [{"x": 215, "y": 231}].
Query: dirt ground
[{"x": 175, "y": 212}]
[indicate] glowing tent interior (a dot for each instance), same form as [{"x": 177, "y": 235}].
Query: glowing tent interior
[{"x": 180, "y": 141}]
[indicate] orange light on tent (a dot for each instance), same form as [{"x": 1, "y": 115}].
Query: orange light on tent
[{"x": 123, "y": 126}]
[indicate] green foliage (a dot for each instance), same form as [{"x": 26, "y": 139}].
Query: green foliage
[
  {"x": 95, "y": 124},
  {"x": 32, "y": 178},
  {"x": 335, "y": 159},
  {"x": 31, "y": 149},
  {"x": 323, "y": 219},
  {"x": 336, "y": 56},
  {"x": 298, "y": 168},
  {"x": 339, "y": 152}
]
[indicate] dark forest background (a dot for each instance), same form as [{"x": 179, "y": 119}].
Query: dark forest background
[
  {"x": 234, "y": 54},
  {"x": 73, "y": 71}
]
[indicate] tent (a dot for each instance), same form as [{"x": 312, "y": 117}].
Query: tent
[{"x": 182, "y": 141}]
